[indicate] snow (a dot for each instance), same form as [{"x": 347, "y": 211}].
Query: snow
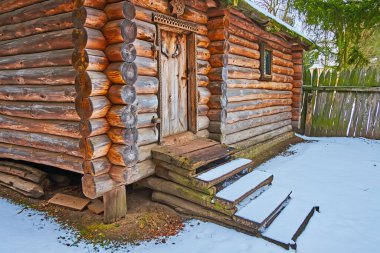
[
  {"x": 243, "y": 185},
  {"x": 341, "y": 175},
  {"x": 222, "y": 170},
  {"x": 290, "y": 219},
  {"x": 259, "y": 209}
]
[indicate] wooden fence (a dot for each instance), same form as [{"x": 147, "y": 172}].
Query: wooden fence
[{"x": 345, "y": 103}]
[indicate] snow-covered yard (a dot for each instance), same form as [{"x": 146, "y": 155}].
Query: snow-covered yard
[{"x": 341, "y": 175}]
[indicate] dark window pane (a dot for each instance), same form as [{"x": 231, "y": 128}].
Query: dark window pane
[{"x": 267, "y": 62}]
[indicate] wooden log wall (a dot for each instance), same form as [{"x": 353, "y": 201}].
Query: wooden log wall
[
  {"x": 38, "y": 119},
  {"x": 147, "y": 84},
  {"x": 91, "y": 103},
  {"x": 241, "y": 105},
  {"x": 297, "y": 56}
]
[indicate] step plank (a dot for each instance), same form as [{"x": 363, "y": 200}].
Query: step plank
[
  {"x": 291, "y": 222},
  {"x": 223, "y": 170},
  {"x": 190, "y": 146},
  {"x": 69, "y": 201},
  {"x": 261, "y": 209},
  {"x": 245, "y": 186}
]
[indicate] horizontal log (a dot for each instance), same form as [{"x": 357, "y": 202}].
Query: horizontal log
[
  {"x": 59, "y": 160},
  {"x": 203, "y": 67},
  {"x": 122, "y": 116},
  {"x": 95, "y": 186},
  {"x": 37, "y": 60},
  {"x": 48, "y": 142},
  {"x": 95, "y": 146},
  {"x": 146, "y": 85},
  {"x": 36, "y": 26},
  {"x": 88, "y": 38},
  {"x": 281, "y": 78},
  {"x": 91, "y": 83},
  {"x": 147, "y": 103},
  {"x": 22, "y": 186},
  {"x": 121, "y": 30},
  {"x": 203, "y": 95},
  {"x": 180, "y": 191},
  {"x": 218, "y": 34},
  {"x": 120, "y": 10},
  {"x": 244, "y": 51},
  {"x": 121, "y": 52},
  {"x": 202, "y": 110},
  {"x": 282, "y": 62},
  {"x": 96, "y": 166},
  {"x": 122, "y": 94},
  {"x": 264, "y": 137},
  {"x": 123, "y": 155},
  {"x": 38, "y": 93},
  {"x": 145, "y": 31},
  {"x": 243, "y": 42},
  {"x": 49, "y": 75},
  {"x": 89, "y": 17},
  {"x": 202, "y": 41},
  {"x": 126, "y": 136},
  {"x": 255, "y": 131},
  {"x": 146, "y": 119},
  {"x": 255, "y": 104},
  {"x": 219, "y": 47},
  {"x": 202, "y": 81},
  {"x": 91, "y": 60},
  {"x": 93, "y": 127},
  {"x": 203, "y": 54},
  {"x": 41, "y": 42},
  {"x": 194, "y": 15},
  {"x": 255, "y": 84},
  {"x": 203, "y": 122},
  {"x": 234, "y": 95},
  {"x": 92, "y": 107},
  {"x": 218, "y": 127},
  {"x": 55, "y": 127},
  {"x": 97, "y": 4},
  {"x": 147, "y": 135},
  {"x": 233, "y": 72},
  {"x": 39, "y": 110},
  {"x": 129, "y": 175},
  {"x": 146, "y": 66},
  {"x": 282, "y": 70},
  {"x": 145, "y": 48},
  {"x": 10, "y": 5},
  {"x": 143, "y": 14},
  {"x": 23, "y": 171},
  {"x": 122, "y": 72},
  {"x": 145, "y": 152},
  {"x": 220, "y": 60},
  {"x": 233, "y": 117},
  {"x": 34, "y": 11}
]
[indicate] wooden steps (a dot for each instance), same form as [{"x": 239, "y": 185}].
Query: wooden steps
[
  {"x": 260, "y": 210},
  {"x": 288, "y": 226},
  {"x": 220, "y": 173},
  {"x": 197, "y": 177},
  {"x": 193, "y": 154},
  {"x": 244, "y": 186}
]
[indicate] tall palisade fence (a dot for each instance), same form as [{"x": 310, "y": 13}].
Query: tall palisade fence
[{"x": 345, "y": 103}]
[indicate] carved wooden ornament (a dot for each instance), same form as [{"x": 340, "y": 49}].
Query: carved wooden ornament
[{"x": 178, "y": 7}]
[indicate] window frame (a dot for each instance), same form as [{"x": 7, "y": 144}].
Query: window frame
[{"x": 263, "y": 48}]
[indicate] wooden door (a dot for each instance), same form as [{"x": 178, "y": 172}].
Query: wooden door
[{"x": 174, "y": 90}]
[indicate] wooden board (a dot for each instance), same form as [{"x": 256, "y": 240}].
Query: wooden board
[{"x": 69, "y": 201}]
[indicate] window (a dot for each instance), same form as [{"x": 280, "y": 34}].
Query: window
[{"x": 265, "y": 62}]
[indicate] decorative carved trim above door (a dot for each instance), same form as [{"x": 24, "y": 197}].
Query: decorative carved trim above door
[{"x": 174, "y": 22}]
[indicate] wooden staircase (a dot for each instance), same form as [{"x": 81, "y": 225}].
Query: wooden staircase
[{"x": 199, "y": 178}]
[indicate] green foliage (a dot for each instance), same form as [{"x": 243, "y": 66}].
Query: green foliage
[{"x": 347, "y": 24}]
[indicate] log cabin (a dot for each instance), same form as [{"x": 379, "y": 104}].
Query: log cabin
[{"x": 121, "y": 90}]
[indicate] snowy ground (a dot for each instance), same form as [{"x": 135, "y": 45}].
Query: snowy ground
[{"x": 341, "y": 175}]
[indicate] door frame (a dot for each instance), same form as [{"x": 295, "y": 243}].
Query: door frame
[{"x": 192, "y": 92}]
